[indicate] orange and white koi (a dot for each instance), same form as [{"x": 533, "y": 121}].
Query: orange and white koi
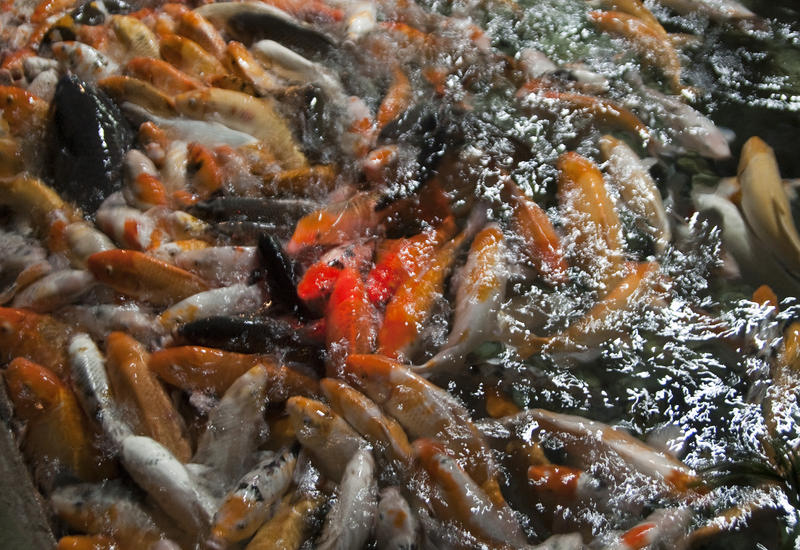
[
  {"x": 141, "y": 396},
  {"x": 143, "y": 277},
  {"x": 255, "y": 116},
  {"x": 128, "y": 227},
  {"x": 247, "y": 507},
  {"x": 641, "y": 287},
  {"x": 396, "y": 527},
  {"x": 587, "y": 441},
  {"x": 54, "y": 290},
  {"x": 85, "y": 61},
  {"x": 242, "y": 63},
  {"x": 652, "y": 45},
  {"x": 603, "y": 111},
  {"x": 331, "y": 441},
  {"x": 349, "y": 521},
  {"x": 289, "y": 527},
  {"x": 425, "y": 410},
  {"x": 637, "y": 189},
  {"x": 386, "y": 436},
  {"x": 669, "y": 524},
  {"x": 458, "y": 498},
  {"x": 107, "y": 508},
  {"x": 480, "y": 293}
]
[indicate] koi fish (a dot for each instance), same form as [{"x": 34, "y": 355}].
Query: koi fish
[
  {"x": 425, "y": 410},
  {"x": 590, "y": 220},
  {"x": 637, "y": 189},
  {"x": 247, "y": 507},
  {"x": 326, "y": 435},
  {"x": 480, "y": 292},
  {"x": 386, "y": 436},
  {"x": 350, "y": 321},
  {"x": 143, "y": 277},
  {"x": 39, "y": 338},
  {"x": 461, "y": 500},
  {"x": 139, "y": 394},
  {"x": 349, "y": 521},
  {"x": 58, "y": 433}
]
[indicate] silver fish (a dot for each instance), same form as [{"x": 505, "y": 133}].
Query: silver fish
[
  {"x": 235, "y": 428},
  {"x": 350, "y": 521},
  {"x": 167, "y": 481},
  {"x": 88, "y": 369}
]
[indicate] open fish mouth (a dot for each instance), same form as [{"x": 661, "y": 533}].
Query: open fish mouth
[{"x": 400, "y": 274}]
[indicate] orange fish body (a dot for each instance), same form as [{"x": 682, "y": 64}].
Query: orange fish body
[
  {"x": 40, "y": 338},
  {"x": 350, "y": 320},
  {"x": 541, "y": 243},
  {"x": 57, "y": 430},
  {"x": 136, "y": 388},
  {"x": 412, "y": 304},
  {"x": 143, "y": 277}
]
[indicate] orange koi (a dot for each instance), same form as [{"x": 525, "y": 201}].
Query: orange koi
[
  {"x": 641, "y": 286},
  {"x": 650, "y": 42},
  {"x": 57, "y": 431},
  {"x": 22, "y": 110},
  {"x": 203, "y": 170},
  {"x": 87, "y": 542},
  {"x": 142, "y": 396},
  {"x": 541, "y": 243},
  {"x": 40, "y": 338},
  {"x": 187, "y": 56},
  {"x": 317, "y": 283},
  {"x": 197, "y": 28},
  {"x": 194, "y": 368},
  {"x": 143, "y": 277},
  {"x": 46, "y": 8},
  {"x": 405, "y": 259},
  {"x": 162, "y": 75},
  {"x": 396, "y": 100},
  {"x": 335, "y": 224},
  {"x": 383, "y": 432},
  {"x": 591, "y": 220},
  {"x": 411, "y": 305},
  {"x": 350, "y": 321}
]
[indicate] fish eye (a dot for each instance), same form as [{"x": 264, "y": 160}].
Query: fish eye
[
  {"x": 109, "y": 270},
  {"x": 6, "y": 327}
]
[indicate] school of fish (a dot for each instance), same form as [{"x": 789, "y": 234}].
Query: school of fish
[{"x": 251, "y": 258}]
